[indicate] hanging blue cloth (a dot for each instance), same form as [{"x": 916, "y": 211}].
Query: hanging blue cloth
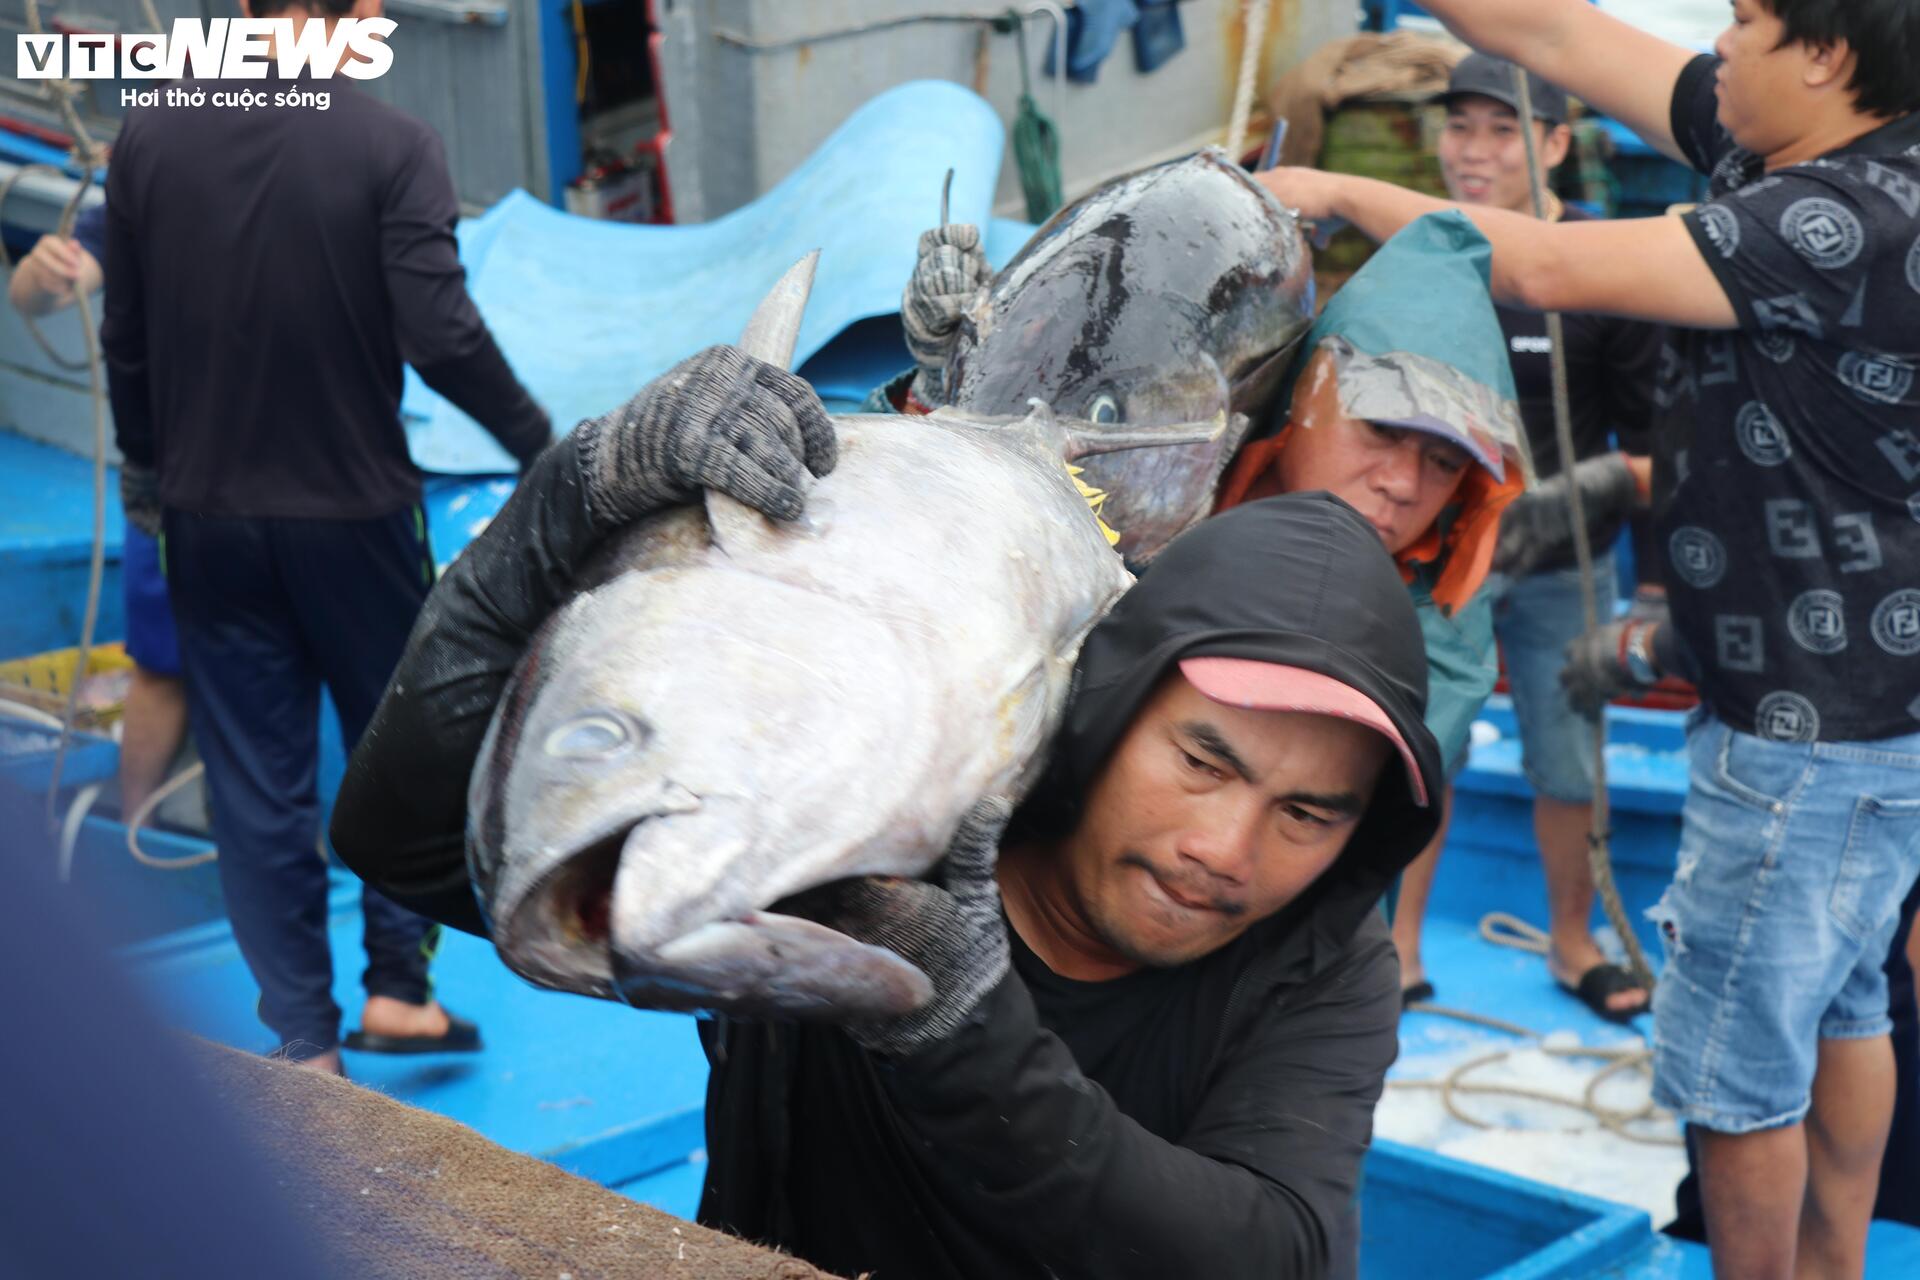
[
  {"x": 1093, "y": 27},
  {"x": 1157, "y": 36}
]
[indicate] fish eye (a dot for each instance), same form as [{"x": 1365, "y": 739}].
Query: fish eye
[
  {"x": 594, "y": 736},
  {"x": 1103, "y": 409}
]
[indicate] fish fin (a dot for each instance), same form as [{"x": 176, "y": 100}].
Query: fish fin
[
  {"x": 772, "y": 333},
  {"x": 732, "y": 525},
  {"x": 773, "y": 330}
]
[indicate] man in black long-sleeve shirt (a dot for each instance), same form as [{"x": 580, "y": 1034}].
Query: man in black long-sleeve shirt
[
  {"x": 270, "y": 271},
  {"x": 1161, "y": 1058}
]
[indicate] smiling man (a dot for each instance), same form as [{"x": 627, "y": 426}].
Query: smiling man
[
  {"x": 1609, "y": 366},
  {"x": 1161, "y": 1057},
  {"x": 1794, "y": 292}
]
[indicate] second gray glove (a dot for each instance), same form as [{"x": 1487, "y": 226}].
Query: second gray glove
[
  {"x": 1611, "y": 661},
  {"x": 717, "y": 420},
  {"x": 1536, "y": 530},
  {"x": 951, "y": 269}
]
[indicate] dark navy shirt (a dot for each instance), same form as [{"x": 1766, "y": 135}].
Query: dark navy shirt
[
  {"x": 267, "y": 272},
  {"x": 1793, "y": 538}
]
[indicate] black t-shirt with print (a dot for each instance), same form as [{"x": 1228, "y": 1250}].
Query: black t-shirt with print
[{"x": 1793, "y": 539}]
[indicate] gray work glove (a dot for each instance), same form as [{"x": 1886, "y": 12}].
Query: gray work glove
[
  {"x": 717, "y": 420},
  {"x": 951, "y": 931},
  {"x": 1536, "y": 530},
  {"x": 1610, "y": 661},
  {"x": 950, "y": 271},
  {"x": 140, "y": 497}
]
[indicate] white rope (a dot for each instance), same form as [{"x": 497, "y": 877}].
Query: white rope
[
  {"x": 1255, "y": 22},
  {"x": 70, "y": 829},
  {"x": 145, "y": 811},
  {"x": 1599, "y": 861},
  {"x": 1503, "y": 930}
]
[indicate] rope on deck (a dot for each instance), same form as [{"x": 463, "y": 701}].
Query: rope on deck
[
  {"x": 1503, "y": 930},
  {"x": 140, "y": 816}
]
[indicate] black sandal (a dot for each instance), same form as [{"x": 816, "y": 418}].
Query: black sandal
[
  {"x": 1604, "y": 981},
  {"x": 461, "y": 1037}
]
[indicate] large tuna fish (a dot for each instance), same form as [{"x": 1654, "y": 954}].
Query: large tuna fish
[
  {"x": 1171, "y": 295},
  {"x": 733, "y": 711}
]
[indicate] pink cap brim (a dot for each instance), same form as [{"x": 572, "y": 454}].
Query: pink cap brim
[{"x": 1270, "y": 686}]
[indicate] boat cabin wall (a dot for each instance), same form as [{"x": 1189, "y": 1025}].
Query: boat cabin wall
[{"x": 753, "y": 86}]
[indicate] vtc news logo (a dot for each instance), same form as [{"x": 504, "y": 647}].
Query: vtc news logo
[{"x": 221, "y": 49}]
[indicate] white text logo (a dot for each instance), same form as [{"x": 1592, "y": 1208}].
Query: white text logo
[{"x": 221, "y": 49}]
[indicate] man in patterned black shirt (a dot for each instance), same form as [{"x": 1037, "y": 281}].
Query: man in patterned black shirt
[{"x": 1793, "y": 539}]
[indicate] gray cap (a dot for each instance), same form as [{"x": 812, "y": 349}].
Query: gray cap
[{"x": 1491, "y": 77}]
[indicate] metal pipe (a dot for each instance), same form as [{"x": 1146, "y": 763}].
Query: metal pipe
[
  {"x": 739, "y": 41},
  {"x": 1057, "y": 42}
]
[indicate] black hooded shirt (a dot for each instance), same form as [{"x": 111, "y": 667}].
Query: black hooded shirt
[{"x": 1208, "y": 1119}]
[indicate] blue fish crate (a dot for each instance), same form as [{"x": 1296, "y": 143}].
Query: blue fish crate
[
  {"x": 28, "y": 750},
  {"x": 1492, "y": 1224}
]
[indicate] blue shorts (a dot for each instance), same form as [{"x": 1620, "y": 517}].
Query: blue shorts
[
  {"x": 151, "y": 640},
  {"x": 1536, "y": 620},
  {"x": 1794, "y": 857}
]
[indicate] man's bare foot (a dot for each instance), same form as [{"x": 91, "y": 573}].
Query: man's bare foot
[
  {"x": 385, "y": 1016},
  {"x": 1570, "y": 961},
  {"x": 328, "y": 1063}
]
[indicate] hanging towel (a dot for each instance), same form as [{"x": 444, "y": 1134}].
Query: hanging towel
[
  {"x": 1157, "y": 35},
  {"x": 1093, "y": 27}
]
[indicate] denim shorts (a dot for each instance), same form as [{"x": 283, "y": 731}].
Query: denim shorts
[
  {"x": 1536, "y": 620},
  {"x": 1794, "y": 858}
]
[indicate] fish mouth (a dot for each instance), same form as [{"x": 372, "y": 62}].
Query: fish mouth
[{"x": 772, "y": 962}]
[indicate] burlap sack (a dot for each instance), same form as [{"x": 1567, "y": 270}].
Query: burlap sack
[
  {"x": 402, "y": 1192},
  {"x": 1402, "y": 65}
]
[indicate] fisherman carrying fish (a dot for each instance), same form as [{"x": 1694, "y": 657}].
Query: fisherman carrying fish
[
  {"x": 1794, "y": 293},
  {"x": 1161, "y": 1002},
  {"x": 1400, "y": 400}
]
